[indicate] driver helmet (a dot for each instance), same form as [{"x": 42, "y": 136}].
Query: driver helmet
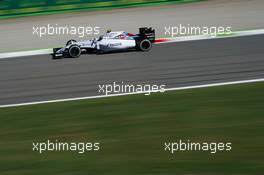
[{"x": 108, "y": 31}]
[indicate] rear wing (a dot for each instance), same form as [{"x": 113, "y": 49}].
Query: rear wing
[{"x": 148, "y": 33}]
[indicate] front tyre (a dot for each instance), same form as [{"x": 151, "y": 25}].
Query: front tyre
[
  {"x": 144, "y": 45},
  {"x": 75, "y": 51}
]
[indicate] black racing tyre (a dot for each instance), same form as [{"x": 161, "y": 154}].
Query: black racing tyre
[
  {"x": 144, "y": 45},
  {"x": 71, "y": 42},
  {"x": 75, "y": 51}
]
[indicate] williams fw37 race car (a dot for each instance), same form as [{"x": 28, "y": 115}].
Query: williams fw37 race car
[{"x": 110, "y": 42}]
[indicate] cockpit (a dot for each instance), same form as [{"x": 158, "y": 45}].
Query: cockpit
[{"x": 118, "y": 35}]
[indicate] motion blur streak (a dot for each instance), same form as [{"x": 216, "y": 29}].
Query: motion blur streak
[
  {"x": 38, "y": 78},
  {"x": 157, "y": 41},
  {"x": 134, "y": 93},
  {"x": 240, "y": 14}
]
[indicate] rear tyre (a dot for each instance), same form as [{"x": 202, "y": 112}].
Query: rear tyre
[
  {"x": 144, "y": 45},
  {"x": 75, "y": 51}
]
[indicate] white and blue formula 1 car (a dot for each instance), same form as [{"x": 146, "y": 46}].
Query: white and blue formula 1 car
[{"x": 110, "y": 42}]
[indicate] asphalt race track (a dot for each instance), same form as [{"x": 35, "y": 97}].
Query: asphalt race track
[{"x": 37, "y": 78}]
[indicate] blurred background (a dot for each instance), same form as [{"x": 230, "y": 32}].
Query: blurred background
[
  {"x": 18, "y": 17},
  {"x": 20, "y": 7},
  {"x": 132, "y": 129}
]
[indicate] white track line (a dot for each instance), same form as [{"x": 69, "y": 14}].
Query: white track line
[
  {"x": 25, "y": 53},
  {"x": 168, "y": 40},
  {"x": 124, "y": 94}
]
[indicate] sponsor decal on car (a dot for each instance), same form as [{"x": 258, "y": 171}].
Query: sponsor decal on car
[{"x": 114, "y": 44}]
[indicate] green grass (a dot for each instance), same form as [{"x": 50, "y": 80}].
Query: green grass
[
  {"x": 133, "y": 129},
  {"x": 45, "y": 10}
]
